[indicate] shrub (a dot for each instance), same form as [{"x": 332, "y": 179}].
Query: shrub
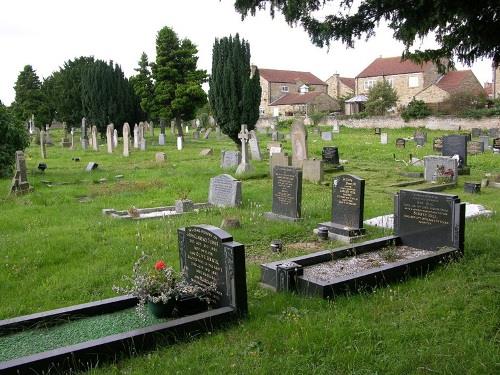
[
  {"x": 14, "y": 137},
  {"x": 415, "y": 109},
  {"x": 316, "y": 117},
  {"x": 381, "y": 98}
]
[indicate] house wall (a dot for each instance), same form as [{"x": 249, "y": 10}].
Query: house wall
[
  {"x": 276, "y": 92},
  {"x": 432, "y": 94},
  {"x": 321, "y": 103},
  {"x": 336, "y": 88},
  {"x": 496, "y": 81},
  {"x": 264, "y": 98}
]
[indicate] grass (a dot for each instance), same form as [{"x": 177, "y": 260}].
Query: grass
[{"x": 56, "y": 252}]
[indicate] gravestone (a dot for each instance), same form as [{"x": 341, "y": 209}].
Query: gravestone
[
  {"x": 335, "y": 126},
  {"x": 126, "y": 139},
  {"x": 206, "y": 152},
  {"x": 419, "y": 133},
  {"x": 378, "y": 131},
  {"x": 437, "y": 144},
  {"x": 43, "y": 149},
  {"x": 209, "y": 256},
  {"x": 91, "y": 166},
  {"x": 141, "y": 137},
  {"x": 476, "y": 132},
  {"x": 244, "y": 166},
  {"x": 142, "y": 144},
  {"x": 400, "y": 143},
  {"x": 330, "y": 155},
  {"x": 83, "y": 136},
  {"x": 312, "y": 170},
  {"x": 348, "y": 197},
  {"x": 494, "y": 132},
  {"x": 474, "y": 148},
  {"x": 440, "y": 168},
  {"x": 20, "y": 184},
  {"x": 109, "y": 138},
  {"x": 279, "y": 159},
  {"x": 429, "y": 221},
  {"x": 419, "y": 140},
  {"x": 160, "y": 157},
  {"x": 95, "y": 144},
  {"x": 287, "y": 194},
  {"x": 136, "y": 136},
  {"x": 151, "y": 129},
  {"x": 207, "y": 133},
  {"x": 326, "y": 136},
  {"x": 161, "y": 137},
  {"x": 254, "y": 146},
  {"x": 299, "y": 142},
  {"x": 196, "y": 134},
  {"x": 115, "y": 138},
  {"x": 180, "y": 143},
  {"x": 65, "y": 143},
  {"x": 224, "y": 191},
  {"x": 485, "y": 140},
  {"x": 496, "y": 145},
  {"x": 274, "y": 136},
  {"x": 230, "y": 159},
  {"x": 72, "y": 139},
  {"x": 383, "y": 138},
  {"x": 456, "y": 144}
]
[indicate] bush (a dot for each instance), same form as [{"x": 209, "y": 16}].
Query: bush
[
  {"x": 316, "y": 117},
  {"x": 415, "y": 109},
  {"x": 285, "y": 124},
  {"x": 14, "y": 137},
  {"x": 462, "y": 102},
  {"x": 381, "y": 98}
]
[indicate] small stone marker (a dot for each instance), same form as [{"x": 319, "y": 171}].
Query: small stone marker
[
  {"x": 429, "y": 221},
  {"x": 326, "y": 136},
  {"x": 440, "y": 168},
  {"x": 281, "y": 159},
  {"x": 136, "y": 136},
  {"x": 115, "y": 138},
  {"x": 437, "y": 144},
  {"x": 160, "y": 157},
  {"x": 43, "y": 149},
  {"x": 91, "y": 166},
  {"x": 254, "y": 146},
  {"x": 180, "y": 143},
  {"x": 496, "y": 145},
  {"x": 348, "y": 197},
  {"x": 419, "y": 140},
  {"x": 20, "y": 184},
  {"x": 485, "y": 140},
  {"x": 224, "y": 191},
  {"x": 126, "y": 139},
  {"x": 244, "y": 166},
  {"x": 420, "y": 134},
  {"x": 383, "y": 138},
  {"x": 109, "y": 138},
  {"x": 474, "y": 148},
  {"x": 287, "y": 194},
  {"x": 330, "y": 155},
  {"x": 83, "y": 137},
  {"x": 230, "y": 159},
  {"x": 161, "y": 137},
  {"x": 312, "y": 170},
  {"x": 476, "y": 132},
  {"x": 377, "y": 131},
  {"x": 299, "y": 142},
  {"x": 207, "y": 152},
  {"x": 456, "y": 144},
  {"x": 400, "y": 143}
]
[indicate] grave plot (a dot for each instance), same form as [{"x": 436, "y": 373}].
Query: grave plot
[
  {"x": 429, "y": 230},
  {"x": 82, "y": 336}
]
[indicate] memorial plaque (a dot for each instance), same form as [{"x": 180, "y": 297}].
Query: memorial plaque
[
  {"x": 474, "y": 148},
  {"x": 209, "y": 256},
  {"x": 400, "y": 143},
  {"x": 224, "y": 191},
  {"x": 287, "y": 192},
  {"x": 476, "y": 132},
  {"x": 230, "y": 159},
  {"x": 330, "y": 155},
  {"x": 437, "y": 144},
  {"x": 326, "y": 136},
  {"x": 456, "y": 144},
  {"x": 429, "y": 221}
]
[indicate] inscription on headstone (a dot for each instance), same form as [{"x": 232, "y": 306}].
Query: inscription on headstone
[
  {"x": 287, "y": 194},
  {"x": 330, "y": 155},
  {"x": 230, "y": 159},
  {"x": 224, "y": 191}
]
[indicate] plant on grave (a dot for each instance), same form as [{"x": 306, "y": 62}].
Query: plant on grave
[
  {"x": 159, "y": 283},
  {"x": 443, "y": 175}
]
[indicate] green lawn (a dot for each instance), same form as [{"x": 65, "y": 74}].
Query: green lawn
[{"x": 56, "y": 251}]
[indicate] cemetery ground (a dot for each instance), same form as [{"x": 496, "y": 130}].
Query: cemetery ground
[{"x": 57, "y": 250}]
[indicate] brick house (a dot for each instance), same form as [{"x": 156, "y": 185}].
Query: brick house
[
  {"x": 339, "y": 87},
  {"x": 277, "y": 84}
]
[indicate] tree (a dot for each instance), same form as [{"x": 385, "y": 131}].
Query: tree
[
  {"x": 235, "y": 91},
  {"x": 14, "y": 137},
  {"x": 177, "y": 82},
  {"x": 143, "y": 86},
  {"x": 467, "y": 30},
  {"x": 381, "y": 97},
  {"x": 29, "y": 97}
]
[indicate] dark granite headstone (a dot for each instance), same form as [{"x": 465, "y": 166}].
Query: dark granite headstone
[
  {"x": 456, "y": 144},
  {"x": 474, "y": 147},
  {"x": 496, "y": 144},
  {"x": 419, "y": 140},
  {"x": 330, "y": 155},
  {"x": 287, "y": 193},
  {"x": 224, "y": 191},
  {"x": 377, "y": 131},
  {"x": 437, "y": 144},
  {"x": 400, "y": 143},
  {"x": 429, "y": 221},
  {"x": 210, "y": 256}
]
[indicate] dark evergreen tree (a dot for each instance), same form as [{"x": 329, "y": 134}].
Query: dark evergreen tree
[
  {"x": 234, "y": 89},
  {"x": 14, "y": 137},
  {"x": 177, "y": 82},
  {"x": 143, "y": 86},
  {"x": 29, "y": 97}
]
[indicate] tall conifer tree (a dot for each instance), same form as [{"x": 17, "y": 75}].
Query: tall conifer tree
[{"x": 143, "y": 86}]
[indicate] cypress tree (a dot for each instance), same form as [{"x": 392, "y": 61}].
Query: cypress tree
[
  {"x": 143, "y": 86},
  {"x": 29, "y": 96}
]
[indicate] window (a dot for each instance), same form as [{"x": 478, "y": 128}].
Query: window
[
  {"x": 261, "y": 110},
  {"x": 412, "y": 81},
  {"x": 390, "y": 81},
  {"x": 284, "y": 88},
  {"x": 369, "y": 83}
]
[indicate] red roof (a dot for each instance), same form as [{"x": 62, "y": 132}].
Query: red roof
[
  {"x": 386, "y": 66},
  {"x": 290, "y": 76},
  {"x": 349, "y": 82},
  {"x": 297, "y": 98},
  {"x": 452, "y": 81}
]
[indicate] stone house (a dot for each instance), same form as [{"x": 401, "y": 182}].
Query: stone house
[
  {"x": 339, "y": 87},
  {"x": 448, "y": 84},
  {"x": 304, "y": 103},
  {"x": 496, "y": 82},
  {"x": 277, "y": 84}
]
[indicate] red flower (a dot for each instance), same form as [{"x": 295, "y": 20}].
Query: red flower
[{"x": 160, "y": 265}]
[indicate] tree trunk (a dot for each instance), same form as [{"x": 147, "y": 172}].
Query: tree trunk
[{"x": 178, "y": 125}]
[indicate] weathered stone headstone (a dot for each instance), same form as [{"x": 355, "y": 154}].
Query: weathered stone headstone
[
  {"x": 485, "y": 140},
  {"x": 136, "y": 136},
  {"x": 287, "y": 194},
  {"x": 430, "y": 221},
  {"x": 312, "y": 170},
  {"x": 180, "y": 143},
  {"x": 95, "y": 144},
  {"x": 496, "y": 145},
  {"x": 196, "y": 134},
  {"x": 72, "y": 138},
  {"x": 161, "y": 137},
  {"x": 326, "y": 136},
  {"x": 437, "y": 144},
  {"x": 474, "y": 148},
  {"x": 160, "y": 157},
  {"x": 244, "y": 166},
  {"x": 440, "y": 168},
  {"x": 209, "y": 256},
  {"x": 348, "y": 197},
  {"x": 299, "y": 143},
  {"x": 230, "y": 159},
  {"x": 274, "y": 136},
  {"x": 109, "y": 138},
  {"x": 476, "y": 132},
  {"x": 383, "y": 138},
  {"x": 206, "y": 152},
  {"x": 330, "y": 155},
  {"x": 224, "y": 191},
  {"x": 400, "y": 143},
  {"x": 126, "y": 139},
  {"x": 335, "y": 126},
  {"x": 281, "y": 159},
  {"x": 456, "y": 145},
  {"x": 142, "y": 144},
  {"x": 254, "y": 146},
  {"x": 91, "y": 166},
  {"x": 494, "y": 132},
  {"x": 20, "y": 184},
  {"x": 419, "y": 140},
  {"x": 419, "y": 133},
  {"x": 43, "y": 149},
  {"x": 83, "y": 137},
  {"x": 115, "y": 138},
  {"x": 207, "y": 133},
  {"x": 151, "y": 129}
]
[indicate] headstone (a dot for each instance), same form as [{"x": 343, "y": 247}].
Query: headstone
[
  {"x": 312, "y": 170},
  {"x": 429, "y": 221},
  {"x": 274, "y": 136},
  {"x": 244, "y": 166},
  {"x": 383, "y": 138},
  {"x": 151, "y": 130},
  {"x": 20, "y": 184},
  {"x": 485, "y": 140},
  {"x": 142, "y": 144},
  {"x": 335, "y": 126},
  {"x": 115, "y": 138},
  {"x": 348, "y": 197},
  {"x": 279, "y": 159},
  {"x": 230, "y": 159},
  {"x": 136, "y": 136},
  {"x": 330, "y": 155},
  {"x": 496, "y": 145},
  {"x": 400, "y": 143},
  {"x": 456, "y": 145},
  {"x": 287, "y": 194},
  {"x": 218, "y": 132},
  {"x": 206, "y": 152},
  {"x": 224, "y": 191},
  {"x": 254, "y": 146},
  {"x": 474, "y": 148},
  {"x": 95, "y": 144},
  {"x": 109, "y": 138},
  {"x": 476, "y": 132},
  {"x": 141, "y": 136},
  {"x": 43, "y": 147},
  {"x": 180, "y": 143},
  {"x": 299, "y": 143},
  {"x": 126, "y": 139},
  {"x": 161, "y": 137},
  {"x": 437, "y": 144},
  {"x": 377, "y": 131},
  {"x": 419, "y": 140},
  {"x": 440, "y": 169},
  {"x": 160, "y": 157},
  {"x": 72, "y": 139},
  {"x": 494, "y": 132},
  {"x": 83, "y": 137},
  {"x": 472, "y": 187},
  {"x": 209, "y": 256},
  {"x": 420, "y": 134},
  {"x": 326, "y": 136},
  {"x": 207, "y": 133},
  {"x": 196, "y": 134},
  {"x": 91, "y": 166}
]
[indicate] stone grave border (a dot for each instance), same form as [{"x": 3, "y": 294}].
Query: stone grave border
[{"x": 126, "y": 215}]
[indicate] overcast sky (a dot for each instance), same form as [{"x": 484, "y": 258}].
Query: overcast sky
[{"x": 46, "y": 33}]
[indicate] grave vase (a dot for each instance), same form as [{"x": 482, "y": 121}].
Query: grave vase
[{"x": 162, "y": 309}]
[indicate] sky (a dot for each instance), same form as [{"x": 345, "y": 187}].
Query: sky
[{"x": 47, "y": 33}]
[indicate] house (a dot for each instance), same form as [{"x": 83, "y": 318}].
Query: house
[
  {"x": 340, "y": 87},
  {"x": 448, "y": 84},
  {"x": 496, "y": 82},
  {"x": 488, "y": 89},
  {"x": 407, "y": 77},
  {"x": 278, "y": 84},
  {"x": 304, "y": 103}
]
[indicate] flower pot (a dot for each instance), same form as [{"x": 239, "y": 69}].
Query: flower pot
[{"x": 162, "y": 309}]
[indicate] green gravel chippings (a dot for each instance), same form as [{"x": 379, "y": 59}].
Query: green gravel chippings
[{"x": 32, "y": 341}]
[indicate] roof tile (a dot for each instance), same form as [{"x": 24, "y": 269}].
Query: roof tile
[
  {"x": 290, "y": 76},
  {"x": 385, "y": 66}
]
